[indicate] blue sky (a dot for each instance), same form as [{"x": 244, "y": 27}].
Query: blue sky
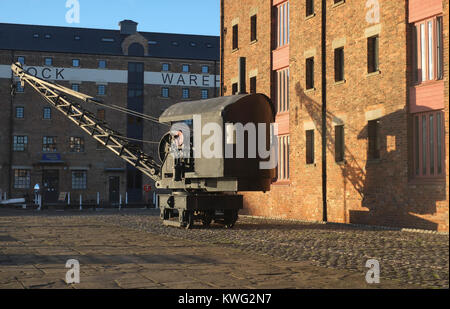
[{"x": 173, "y": 16}]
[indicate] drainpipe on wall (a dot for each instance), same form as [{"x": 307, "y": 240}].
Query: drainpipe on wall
[
  {"x": 9, "y": 166},
  {"x": 221, "y": 46},
  {"x": 324, "y": 110}
]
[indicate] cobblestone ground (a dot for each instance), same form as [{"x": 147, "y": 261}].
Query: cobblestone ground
[
  {"x": 410, "y": 257},
  {"x": 260, "y": 253}
]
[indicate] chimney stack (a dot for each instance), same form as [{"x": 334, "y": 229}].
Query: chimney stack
[{"x": 128, "y": 27}]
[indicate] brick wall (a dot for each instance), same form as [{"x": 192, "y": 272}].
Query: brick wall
[{"x": 359, "y": 190}]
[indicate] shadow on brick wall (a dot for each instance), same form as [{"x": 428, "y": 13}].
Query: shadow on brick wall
[{"x": 381, "y": 183}]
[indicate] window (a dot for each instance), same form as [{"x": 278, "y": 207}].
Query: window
[
  {"x": 283, "y": 157},
  {"x": 101, "y": 90},
  {"x": 339, "y": 143},
  {"x": 36, "y": 35},
  {"x": 205, "y": 93},
  {"x": 192, "y": 44},
  {"x": 283, "y": 90},
  {"x": 309, "y": 7},
  {"x": 47, "y": 113},
  {"x": 205, "y": 69},
  {"x": 76, "y": 144},
  {"x": 165, "y": 92},
  {"x": 19, "y": 88},
  {"x": 20, "y": 112},
  {"x": 339, "y": 64},
  {"x": 152, "y": 42},
  {"x": 235, "y": 37},
  {"x": 165, "y": 67},
  {"x": 234, "y": 89},
  {"x": 283, "y": 24},
  {"x": 75, "y": 63},
  {"x": 253, "y": 84},
  {"x": 253, "y": 28},
  {"x": 107, "y": 40},
  {"x": 79, "y": 180},
  {"x": 76, "y": 87},
  {"x": 310, "y": 147},
  {"x": 49, "y": 144},
  {"x": 310, "y": 73},
  {"x": 20, "y": 143},
  {"x": 428, "y": 50},
  {"x": 185, "y": 93},
  {"x": 428, "y": 132},
  {"x": 372, "y": 54},
  {"x": 102, "y": 64},
  {"x": 185, "y": 68},
  {"x": 374, "y": 144},
  {"x": 22, "y": 179},
  {"x": 48, "y": 36},
  {"x": 21, "y": 60},
  {"x": 48, "y": 61},
  {"x": 76, "y": 37},
  {"x": 175, "y": 43}
]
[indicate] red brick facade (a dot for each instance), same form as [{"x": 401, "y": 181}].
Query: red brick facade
[{"x": 384, "y": 190}]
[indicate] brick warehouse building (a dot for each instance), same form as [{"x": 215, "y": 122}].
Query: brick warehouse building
[
  {"x": 361, "y": 92},
  {"x": 146, "y": 72}
]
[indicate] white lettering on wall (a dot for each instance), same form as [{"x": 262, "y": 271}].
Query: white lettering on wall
[{"x": 116, "y": 76}]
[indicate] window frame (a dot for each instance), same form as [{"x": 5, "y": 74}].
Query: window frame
[
  {"x": 283, "y": 158},
  {"x": 253, "y": 28},
  {"x": 102, "y": 61},
  {"x": 235, "y": 37},
  {"x": 49, "y": 147},
  {"x": 43, "y": 113},
  {"x": 253, "y": 84},
  {"x": 104, "y": 90},
  {"x": 16, "y": 114},
  {"x": 75, "y": 147},
  {"x": 339, "y": 64},
  {"x": 22, "y": 181},
  {"x": 310, "y": 147},
  {"x": 423, "y": 47},
  {"x": 282, "y": 89},
  {"x": 183, "y": 91},
  {"x": 79, "y": 184},
  {"x": 202, "y": 94},
  {"x": 309, "y": 74},
  {"x": 424, "y": 149},
  {"x": 51, "y": 61},
  {"x": 373, "y": 141},
  {"x": 76, "y": 63},
  {"x": 162, "y": 92},
  {"x": 373, "y": 54},
  {"x": 20, "y": 143},
  {"x": 339, "y": 143},
  {"x": 282, "y": 11}
]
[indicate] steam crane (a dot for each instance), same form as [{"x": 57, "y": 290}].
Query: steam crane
[{"x": 202, "y": 188}]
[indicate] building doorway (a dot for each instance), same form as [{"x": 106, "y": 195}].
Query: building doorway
[
  {"x": 114, "y": 189},
  {"x": 50, "y": 183}
]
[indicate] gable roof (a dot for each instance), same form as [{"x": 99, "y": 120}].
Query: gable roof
[{"x": 105, "y": 42}]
